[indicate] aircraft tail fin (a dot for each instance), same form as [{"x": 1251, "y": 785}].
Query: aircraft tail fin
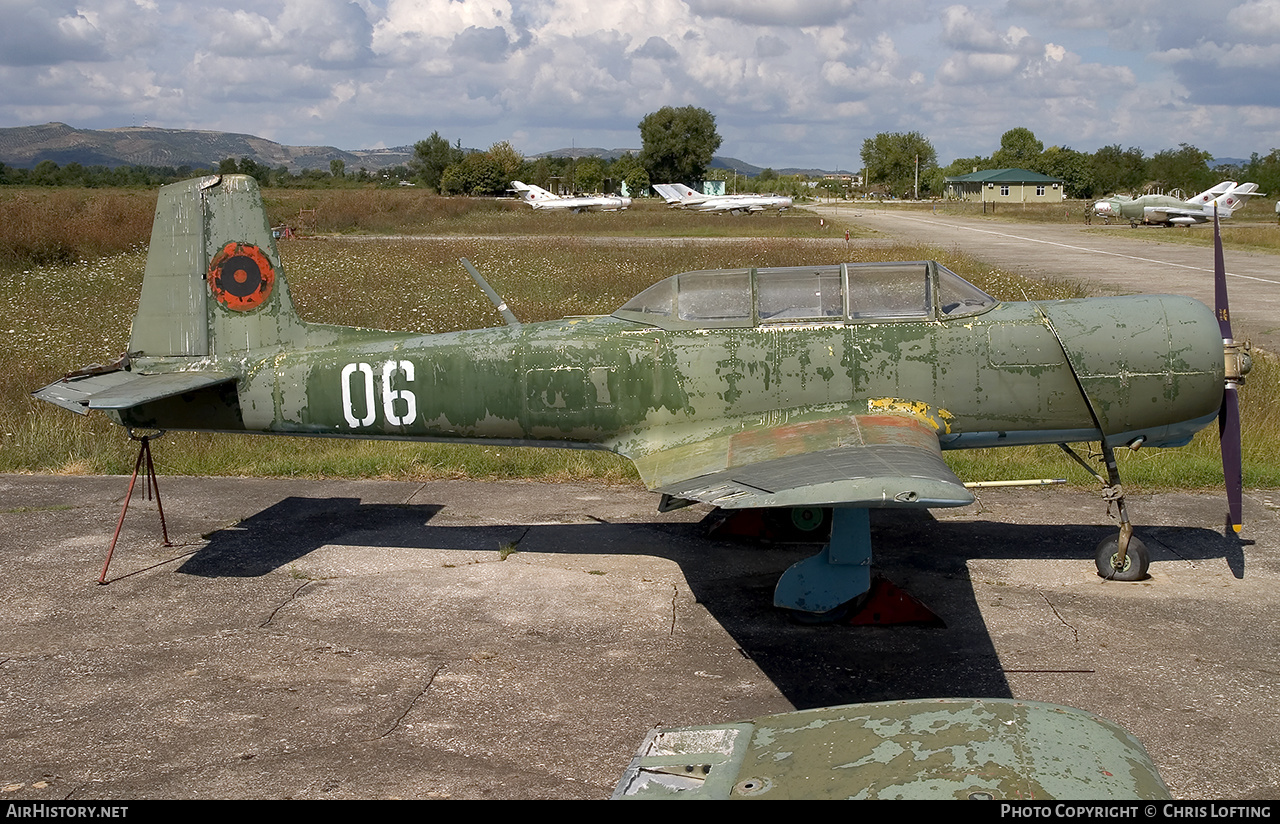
[
  {"x": 1236, "y": 197},
  {"x": 684, "y": 191},
  {"x": 1209, "y": 195},
  {"x": 213, "y": 283},
  {"x": 668, "y": 193},
  {"x": 532, "y": 194}
]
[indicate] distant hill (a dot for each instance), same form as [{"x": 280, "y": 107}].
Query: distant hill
[
  {"x": 25, "y": 146},
  {"x": 586, "y": 151}
]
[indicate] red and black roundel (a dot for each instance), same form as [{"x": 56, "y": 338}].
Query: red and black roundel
[{"x": 241, "y": 276}]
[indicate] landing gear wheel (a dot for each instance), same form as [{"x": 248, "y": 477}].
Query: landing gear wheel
[{"x": 1136, "y": 560}]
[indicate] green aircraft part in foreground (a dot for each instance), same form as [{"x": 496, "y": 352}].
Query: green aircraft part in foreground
[
  {"x": 788, "y": 387},
  {"x": 957, "y": 748}
]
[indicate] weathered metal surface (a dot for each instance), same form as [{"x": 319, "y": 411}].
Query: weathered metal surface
[
  {"x": 835, "y": 384},
  {"x": 946, "y": 748}
]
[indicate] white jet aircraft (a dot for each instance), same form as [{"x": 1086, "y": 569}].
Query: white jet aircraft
[
  {"x": 1169, "y": 211},
  {"x": 540, "y": 198},
  {"x": 677, "y": 194}
]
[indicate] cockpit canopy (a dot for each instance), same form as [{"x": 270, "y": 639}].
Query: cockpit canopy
[{"x": 835, "y": 293}]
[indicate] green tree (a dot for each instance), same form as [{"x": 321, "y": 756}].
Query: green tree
[
  {"x": 677, "y": 144},
  {"x": 431, "y": 157},
  {"x": 1185, "y": 168},
  {"x": 588, "y": 175},
  {"x": 1263, "y": 170},
  {"x": 476, "y": 174},
  {"x": 1118, "y": 170},
  {"x": 338, "y": 168},
  {"x": 1019, "y": 149},
  {"x": 1072, "y": 167},
  {"x": 621, "y": 168},
  {"x": 258, "y": 171},
  {"x": 890, "y": 160},
  {"x": 508, "y": 158},
  {"x": 637, "y": 181}
]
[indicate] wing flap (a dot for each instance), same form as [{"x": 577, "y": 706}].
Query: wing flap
[
  {"x": 123, "y": 390},
  {"x": 883, "y": 460},
  {"x": 874, "y": 476}
]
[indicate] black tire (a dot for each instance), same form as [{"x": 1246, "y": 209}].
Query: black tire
[{"x": 1136, "y": 561}]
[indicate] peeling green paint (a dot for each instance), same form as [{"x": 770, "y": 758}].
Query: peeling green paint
[
  {"x": 944, "y": 748},
  {"x": 668, "y": 391}
]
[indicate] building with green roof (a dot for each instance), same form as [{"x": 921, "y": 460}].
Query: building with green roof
[{"x": 1006, "y": 186}]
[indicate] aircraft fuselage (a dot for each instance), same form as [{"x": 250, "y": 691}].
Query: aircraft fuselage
[{"x": 997, "y": 378}]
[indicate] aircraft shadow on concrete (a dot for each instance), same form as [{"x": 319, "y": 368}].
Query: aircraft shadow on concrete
[{"x": 734, "y": 579}]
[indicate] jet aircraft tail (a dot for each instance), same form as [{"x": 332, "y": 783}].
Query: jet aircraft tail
[
  {"x": 1209, "y": 195},
  {"x": 684, "y": 192},
  {"x": 668, "y": 193},
  {"x": 1235, "y": 198},
  {"x": 533, "y": 195}
]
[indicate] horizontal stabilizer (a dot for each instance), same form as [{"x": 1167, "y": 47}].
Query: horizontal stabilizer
[{"x": 124, "y": 390}]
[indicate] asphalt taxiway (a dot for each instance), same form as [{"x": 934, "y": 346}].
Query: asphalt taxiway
[
  {"x": 1112, "y": 258},
  {"x": 459, "y": 639}
]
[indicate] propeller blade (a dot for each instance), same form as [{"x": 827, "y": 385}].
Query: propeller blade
[
  {"x": 1229, "y": 414},
  {"x": 1220, "y": 307},
  {"x": 1232, "y": 470}
]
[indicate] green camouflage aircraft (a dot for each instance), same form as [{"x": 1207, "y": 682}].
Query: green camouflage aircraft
[
  {"x": 955, "y": 748},
  {"x": 1163, "y": 210},
  {"x": 805, "y": 388}
]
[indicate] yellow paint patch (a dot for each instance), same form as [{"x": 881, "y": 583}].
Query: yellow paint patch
[{"x": 940, "y": 419}]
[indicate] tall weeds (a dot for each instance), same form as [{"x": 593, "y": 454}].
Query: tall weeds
[{"x": 64, "y": 225}]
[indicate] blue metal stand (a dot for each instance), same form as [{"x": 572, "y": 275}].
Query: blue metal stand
[{"x": 837, "y": 574}]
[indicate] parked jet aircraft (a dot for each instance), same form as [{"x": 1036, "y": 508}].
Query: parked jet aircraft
[
  {"x": 1169, "y": 211},
  {"x": 814, "y": 386},
  {"x": 540, "y": 198},
  {"x": 679, "y": 195}
]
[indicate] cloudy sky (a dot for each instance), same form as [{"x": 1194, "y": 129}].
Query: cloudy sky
[{"x": 791, "y": 82}]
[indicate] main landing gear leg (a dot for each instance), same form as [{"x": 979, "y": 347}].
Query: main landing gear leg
[
  {"x": 1122, "y": 557},
  {"x": 837, "y": 574}
]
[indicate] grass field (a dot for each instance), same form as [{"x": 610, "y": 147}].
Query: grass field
[{"x": 76, "y": 309}]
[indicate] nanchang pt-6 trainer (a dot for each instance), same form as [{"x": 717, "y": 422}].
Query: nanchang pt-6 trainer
[{"x": 815, "y": 386}]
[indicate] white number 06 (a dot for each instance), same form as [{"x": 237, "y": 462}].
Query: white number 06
[{"x": 389, "y": 396}]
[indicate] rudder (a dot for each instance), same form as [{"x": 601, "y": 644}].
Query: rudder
[{"x": 213, "y": 283}]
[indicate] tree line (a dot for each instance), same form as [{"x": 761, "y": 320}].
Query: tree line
[
  {"x": 889, "y": 161},
  {"x": 678, "y": 145}
]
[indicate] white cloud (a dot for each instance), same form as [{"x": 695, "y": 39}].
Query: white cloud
[
  {"x": 48, "y": 34},
  {"x": 775, "y": 12},
  {"x": 789, "y": 79},
  {"x": 1259, "y": 19}
]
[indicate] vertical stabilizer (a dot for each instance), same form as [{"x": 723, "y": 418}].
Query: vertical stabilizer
[{"x": 213, "y": 282}]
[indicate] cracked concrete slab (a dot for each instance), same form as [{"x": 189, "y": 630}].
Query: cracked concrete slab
[{"x": 365, "y": 639}]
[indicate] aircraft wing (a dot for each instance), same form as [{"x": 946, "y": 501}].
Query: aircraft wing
[
  {"x": 1176, "y": 211},
  {"x": 874, "y": 460},
  {"x": 122, "y": 390}
]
